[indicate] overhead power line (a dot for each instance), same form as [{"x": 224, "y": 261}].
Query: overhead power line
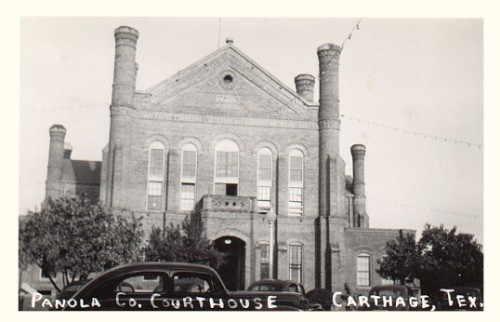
[
  {"x": 347, "y": 38},
  {"x": 410, "y": 132},
  {"x": 422, "y": 209}
]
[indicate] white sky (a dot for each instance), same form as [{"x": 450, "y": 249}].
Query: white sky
[{"x": 418, "y": 75}]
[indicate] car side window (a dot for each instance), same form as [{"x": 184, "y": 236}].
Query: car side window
[
  {"x": 293, "y": 288},
  {"x": 187, "y": 282},
  {"x": 136, "y": 283},
  {"x": 143, "y": 283}
]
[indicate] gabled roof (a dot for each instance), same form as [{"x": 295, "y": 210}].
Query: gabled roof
[{"x": 232, "y": 60}]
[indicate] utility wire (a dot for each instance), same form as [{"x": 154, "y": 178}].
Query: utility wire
[
  {"x": 423, "y": 209},
  {"x": 409, "y": 132}
]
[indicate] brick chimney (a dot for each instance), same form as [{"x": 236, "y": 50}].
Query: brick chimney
[
  {"x": 55, "y": 163},
  {"x": 328, "y": 117},
  {"x": 304, "y": 83},
  {"x": 125, "y": 71},
  {"x": 358, "y": 152},
  {"x": 124, "y": 78}
]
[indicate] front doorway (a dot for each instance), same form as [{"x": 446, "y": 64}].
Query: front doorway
[{"x": 232, "y": 271}]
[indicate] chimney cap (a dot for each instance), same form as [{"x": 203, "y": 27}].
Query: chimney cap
[
  {"x": 127, "y": 30},
  {"x": 57, "y": 128},
  {"x": 229, "y": 40},
  {"x": 329, "y": 47},
  {"x": 305, "y": 77},
  {"x": 358, "y": 149}
]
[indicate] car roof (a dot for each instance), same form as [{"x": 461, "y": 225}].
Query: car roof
[
  {"x": 270, "y": 281},
  {"x": 162, "y": 265},
  {"x": 148, "y": 266}
]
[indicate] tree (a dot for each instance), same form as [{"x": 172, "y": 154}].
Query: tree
[
  {"x": 441, "y": 258},
  {"x": 449, "y": 259},
  {"x": 401, "y": 263},
  {"x": 75, "y": 237},
  {"x": 183, "y": 243}
]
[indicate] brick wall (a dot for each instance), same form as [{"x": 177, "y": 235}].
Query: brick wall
[{"x": 367, "y": 241}]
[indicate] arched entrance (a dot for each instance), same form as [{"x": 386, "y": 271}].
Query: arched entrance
[{"x": 232, "y": 271}]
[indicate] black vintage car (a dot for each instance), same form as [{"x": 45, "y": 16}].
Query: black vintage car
[{"x": 173, "y": 286}]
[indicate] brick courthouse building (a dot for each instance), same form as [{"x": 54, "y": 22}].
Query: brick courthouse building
[{"x": 226, "y": 140}]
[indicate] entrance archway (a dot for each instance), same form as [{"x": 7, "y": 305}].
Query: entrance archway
[{"x": 232, "y": 271}]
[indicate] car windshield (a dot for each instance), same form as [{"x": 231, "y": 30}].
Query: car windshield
[{"x": 262, "y": 287}]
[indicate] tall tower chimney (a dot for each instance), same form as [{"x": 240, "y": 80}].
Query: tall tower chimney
[
  {"x": 125, "y": 66},
  {"x": 328, "y": 118},
  {"x": 124, "y": 78},
  {"x": 55, "y": 164},
  {"x": 358, "y": 152},
  {"x": 304, "y": 83}
]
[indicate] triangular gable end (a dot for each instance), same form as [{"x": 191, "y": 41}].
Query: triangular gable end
[{"x": 227, "y": 79}]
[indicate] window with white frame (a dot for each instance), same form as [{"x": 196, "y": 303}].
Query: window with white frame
[
  {"x": 226, "y": 178},
  {"x": 189, "y": 155},
  {"x": 156, "y": 176},
  {"x": 363, "y": 270},
  {"x": 295, "y": 262},
  {"x": 264, "y": 179},
  {"x": 295, "y": 183},
  {"x": 264, "y": 261}
]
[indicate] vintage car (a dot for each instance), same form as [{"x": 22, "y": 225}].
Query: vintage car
[
  {"x": 391, "y": 298},
  {"x": 276, "y": 285},
  {"x": 173, "y": 286}
]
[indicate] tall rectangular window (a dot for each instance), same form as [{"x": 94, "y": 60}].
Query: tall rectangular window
[
  {"x": 226, "y": 172},
  {"x": 154, "y": 195},
  {"x": 295, "y": 183},
  {"x": 295, "y": 263},
  {"x": 264, "y": 261},
  {"x": 264, "y": 179},
  {"x": 188, "y": 177},
  {"x": 187, "y": 196},
  {"x": 363, "y": 270},
  {"x": 156, "y": 171}
]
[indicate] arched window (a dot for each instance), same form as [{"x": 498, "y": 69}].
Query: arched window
[
  {"x": 295, "y": 262},
  {"x": 226, "y": 177},
  {"x": 363, "y": 270},
  {"x": 156, "y": 176},
  {"x": 295, "y": 183},
  {"x": 189, "y": 155},
  {"x": 264, "y": 179}
]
